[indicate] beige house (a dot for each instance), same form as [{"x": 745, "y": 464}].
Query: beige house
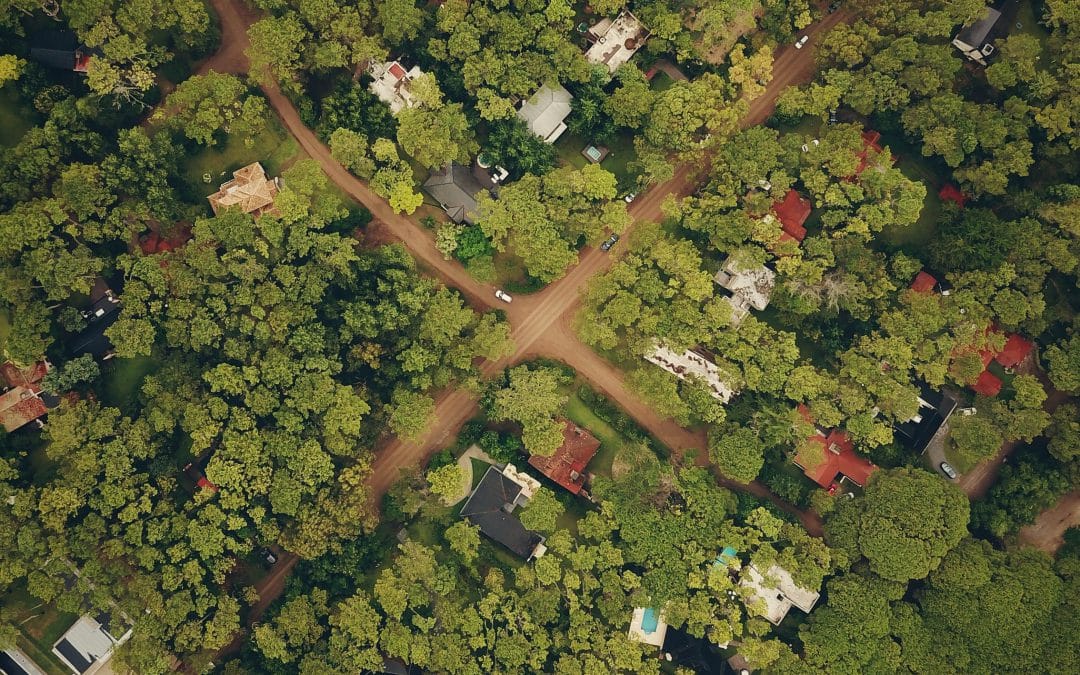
[
  {"x": 250, "y": 190},
  {"x": 615, "y": 41},
  {"x": 545, "y": 111},
  {"x": 775, "y": 593},
  {"x": 390, "y": 82},
  {"x": 691, "y": 363},
  {"x": 750, "y": 288}
]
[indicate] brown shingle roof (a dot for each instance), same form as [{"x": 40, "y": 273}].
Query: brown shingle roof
[{"x": 249, "y": 189}]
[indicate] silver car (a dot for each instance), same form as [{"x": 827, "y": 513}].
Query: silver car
[{"x": 947, "y": 469}]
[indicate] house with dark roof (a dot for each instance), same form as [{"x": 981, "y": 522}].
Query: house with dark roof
[
  {"x": 60, "y": 49},
  {"x": 567, "y": 466},
  {"x": 13, "y": 661},
  {"x": 545, "y": 111},
  {"x": 491, "y": 505},
  {"x": 976, "y": 40},
  {"x": 102, "y": 314},
  {"x": 935, "y": 407},
  {"x": 455, "y": 188},
  {"x": 829, "y": 453}
]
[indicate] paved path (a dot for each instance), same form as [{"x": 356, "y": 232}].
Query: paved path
[
  {"x": 541, "y": 323},
  {"x": 1048, "y": 530}
]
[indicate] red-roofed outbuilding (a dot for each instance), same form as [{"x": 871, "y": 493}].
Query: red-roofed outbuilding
[
  {"x": 988, "y": 384},
  {"x": 924, "y": 282},
  {"x": 951, "y": 193},
  {"x": 567, "y": 466},
  {"x": 1016, "y": 349}
]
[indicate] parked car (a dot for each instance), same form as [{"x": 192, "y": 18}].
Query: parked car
[
  {"x": 802, "y": 41},
  {"x": 503, "y": 295},
  {"x": 832, "y": 116},
  {"x": 833, "y": 6},
  {"x": 606, "y": 246},
  {"x": 947, "y": 469},
  {"x": 630, "y": 196},
  {"x": 269, "y": 556}
]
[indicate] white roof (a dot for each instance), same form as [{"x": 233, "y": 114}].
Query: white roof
[
  {"x": 545, "y": 112},
  {"x": 779, "y": 592},
  {"x": 656, "y": 637},
  {"x": 753, "y": 286},
  {"x": 616, "y": 41},
  {"x": 84, "y": 645},
  {"x": 529, "y": 485},
  {"x": 390, "y": 82},
  {"x": 691, "y": 363}
]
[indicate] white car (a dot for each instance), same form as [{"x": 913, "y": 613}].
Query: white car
[
  {"x": 630, "y": 197},
  {"x": 802, "y": 41},
  {"x": 503, "y": 295},
  {"x": 947, "y": 469}
]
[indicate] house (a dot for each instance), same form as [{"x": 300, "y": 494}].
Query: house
[
  {"x": 792, "y": 210},
  {"x": 691, "y": 362},
  {"x": 390, "y": 82},
  {"x": 103, "y": 313},
  {"x": 60, "y": 49},
  {"x": 837, "y": 456},
  {"x": 545, "y": 111},
  {"x": 924, "y": 282},
  {"x": 647, "y": 625},
  {"x": 976, "y": 41},
  {"x": 455, "y": 188},
  {"x": 935, "y": 407},
  {"x": 23, "y": 400},
  {"x": 491, "y": 505},
  {"x": 13, "y": 661},
  {"x": 567, "y": 466},
  {"x": 1015, "y": 350},
  {"x": 775, "y": 593},
  {"x": 951, "y": 193},
  {"x": 871, "y": 147},
  {"x": 614, "y": 42},
  {"x": 250, "y": 190},
  {"x": 750, "y": 288},
  {"x": 89, "y": 642}
]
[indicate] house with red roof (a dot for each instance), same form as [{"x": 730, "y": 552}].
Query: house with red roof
[
  {"x": 1015, "y": 350},
  {"x": 23, "y": 399},
  {"x": 924, "y": 282},
  {"x": 871, "y": 142},
  {"x": 792, "y": 210},
  {"x": 838, "y": 456},
  {"x": 567, "y": 466}
]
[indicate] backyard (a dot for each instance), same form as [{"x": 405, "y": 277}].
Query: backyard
[
  {"x": 121, "y": 380},
  {"x": 272, "y": 147},
  {"x": 40, "y": 625},
  {"x": 620, "y": 153}
]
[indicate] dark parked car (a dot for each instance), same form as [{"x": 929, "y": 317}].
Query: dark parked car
[
  {"x": 606, "y": 246},
  {"x": 833, "y": 6}
]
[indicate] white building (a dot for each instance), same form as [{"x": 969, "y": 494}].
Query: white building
[
  {"x": 87, "y": 645},
  {"x": 691, "y": 363},
  {"x": 648, "y": 626},
  {"x": 545, "y": 112},
  {"x": 390, "y": 82},
  {"x": 615, "y": 41},
  {"x": 749, "y": 288},
  {"x": 776, "y": 593}
]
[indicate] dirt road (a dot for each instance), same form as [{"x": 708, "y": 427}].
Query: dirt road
[
  {"x": 1048, "y": 530},
  {"x": 541, "y": 323}
]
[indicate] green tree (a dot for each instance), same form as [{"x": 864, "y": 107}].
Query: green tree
[
  {"x": 412, "y": 413},
  {"x": 738, "y": 453},
  {"x": 446, "y": 481},
  {"x": 542, "y": 512},
  {"x": 532, "y": 397}
]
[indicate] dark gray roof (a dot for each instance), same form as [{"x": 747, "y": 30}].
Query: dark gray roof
[
  {"x": 488, "y": 509},
  {"x": 455, "y": 188},
  {"x": 917, "y": 435},
  {"x": 994, "y": 24},
  {"x": 92, "y": 339},
  {"x": 74, "y": 656}
]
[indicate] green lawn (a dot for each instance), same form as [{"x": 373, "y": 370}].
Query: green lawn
[
  {"x": 273, "y": 147},
  {"x": 5, "y": 325},
  {"x": 40, "y": 625},
  {"x": 611, "y": 441},
  {"x": 661, "y": 81},
  {"x": 620, "y": 153},
  {"x": 479, "y": 468},
  {"x": 18, "y": 116},
  {"x": 122, "y": 378}
]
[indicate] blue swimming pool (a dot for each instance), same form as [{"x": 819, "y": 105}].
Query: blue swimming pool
[{"x": 648, "y": 621}]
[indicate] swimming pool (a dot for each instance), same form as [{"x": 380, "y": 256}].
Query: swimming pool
[{"x": 648, "y": 621}]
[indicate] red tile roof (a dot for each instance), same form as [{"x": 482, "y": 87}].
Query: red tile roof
[
  {"x": 567, "y": 466},
  {"x": 205, "y": 484},
  {"x": 23, "y": 377},
  {"x": 1015, "y": 350},
  {"x": 924, "y": 282},
  {"x": 19, "y": 407},
  {"x": 871, "y": 141},
  {"x": 951, "y": 193},
  {"x": 839, "y": 457},
  {"x": 396, "y": 70},
  {"x": 988, "y": 384},
  {"x": 793, "y": 210}
]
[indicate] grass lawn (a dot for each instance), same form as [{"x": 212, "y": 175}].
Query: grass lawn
[
  {"x": 620, "y": 153},
  {"x": 273, "y": 147},
  {"x": 611, "y": 441},
  {"x": 661, "y": 81},
  {"x": 479, "y": 468},
  {"x": 5, "y": 324},
  {"x": 40, "y": 625},
  {"x": 123, "y": 378},
  {"x": 18, "y": 116}
]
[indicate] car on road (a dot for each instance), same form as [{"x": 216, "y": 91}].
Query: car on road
[
  {"x": 269, "y": 556},
  {"x": 947, "y": 469},
  {"x": 630, "y": 196},
  {"x": 606, "y": 246},
  {"x": 503, "y": 295},
  {"x": 833, "y": 6},
  {"x": 802, "y": 41}
]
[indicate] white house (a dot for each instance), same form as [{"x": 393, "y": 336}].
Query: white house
[
  {"x": 750, "y": 287},
  {"x": 88, "y": 644},
  {"x": 390, "y": 82},
  {"x": 545, "y": 112},
  {"x": 615, "y": 41},
  {"x": 688, "y": 363},
  {"x": 776, "y": 593}
]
